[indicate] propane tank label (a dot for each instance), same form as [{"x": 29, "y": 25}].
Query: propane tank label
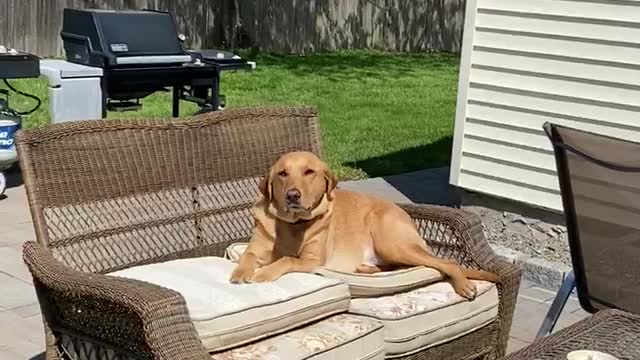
[{"x": 7, "y": 134}]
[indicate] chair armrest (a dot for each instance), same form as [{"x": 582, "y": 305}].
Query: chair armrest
[
  {"x": 459, "y": 235},
  {"x": 131, "y": 317}
]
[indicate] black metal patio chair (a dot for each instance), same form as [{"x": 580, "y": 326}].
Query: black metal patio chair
[{"x": 599, "y": 178}]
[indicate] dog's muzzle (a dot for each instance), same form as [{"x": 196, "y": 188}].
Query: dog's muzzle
[{"x": 292, "y": 198}]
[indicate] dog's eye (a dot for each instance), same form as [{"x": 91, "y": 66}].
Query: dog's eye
[
  {"x": 282, "y": 173},
  {"x": 309, "y": 172}
]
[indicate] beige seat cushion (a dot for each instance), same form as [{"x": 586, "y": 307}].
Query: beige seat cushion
[
  {"x": 428, "y": 316},
  {"x": 368, "y": 285},
  {"x": 228, "y": 315},
  {"x": 339, "y": 337}
]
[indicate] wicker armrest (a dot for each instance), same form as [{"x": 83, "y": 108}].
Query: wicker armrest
[
  {"x": 461, "y": 232},
  {"x": 132, "y": 318}
]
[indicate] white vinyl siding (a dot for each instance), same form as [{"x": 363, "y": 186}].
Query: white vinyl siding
[{"x": 524, "y": 62}]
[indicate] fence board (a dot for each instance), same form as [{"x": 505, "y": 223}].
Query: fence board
[{"x": 285, "y": 26}]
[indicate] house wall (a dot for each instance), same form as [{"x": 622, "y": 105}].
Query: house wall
[{"x": 525, "y": 62}]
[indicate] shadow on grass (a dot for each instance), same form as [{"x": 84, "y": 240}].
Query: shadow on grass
[
  {"x": 436, "y": 154},
  {"x": 420, "y": 173},
  {"x": 351, "y": 65}
]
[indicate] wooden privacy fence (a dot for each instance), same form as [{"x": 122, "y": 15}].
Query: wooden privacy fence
[{"x": 285, "y": 26}]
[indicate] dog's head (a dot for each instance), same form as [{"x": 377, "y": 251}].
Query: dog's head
[{"x": 297, "y": 183}]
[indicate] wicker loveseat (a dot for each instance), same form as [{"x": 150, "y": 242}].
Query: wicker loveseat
[{"x": 110, "y": 196}]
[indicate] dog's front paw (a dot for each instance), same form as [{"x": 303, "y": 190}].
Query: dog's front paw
[
  {"x": 241, "y": 275},
  {"x": 465, "y": 288},
  {"x": 264, "y": 275}
]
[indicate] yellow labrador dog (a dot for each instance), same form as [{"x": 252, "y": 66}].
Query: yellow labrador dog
[{"x": 302, "y": 221}]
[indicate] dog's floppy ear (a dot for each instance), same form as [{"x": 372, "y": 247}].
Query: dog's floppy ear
[
  {"x": 266, "y": 186},
  {"x": 331, "y": 179}
]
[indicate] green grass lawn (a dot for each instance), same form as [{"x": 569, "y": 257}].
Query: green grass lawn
[{"x": 380, "y": 113}]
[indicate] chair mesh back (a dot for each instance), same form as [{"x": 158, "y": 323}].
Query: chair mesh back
[
  {"x": 106, "y": 195},
  {"x": 600, "y": 185}
]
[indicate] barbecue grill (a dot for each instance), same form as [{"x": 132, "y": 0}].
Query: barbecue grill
[{"x": 141, "y": 52}]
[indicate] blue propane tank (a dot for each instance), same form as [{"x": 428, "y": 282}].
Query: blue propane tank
[
  {"x": 10, "y": 123},
  {"x": 8, "y": 129}
]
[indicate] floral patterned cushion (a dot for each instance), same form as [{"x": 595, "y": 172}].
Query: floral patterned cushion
[
  {"x": 341, "y": 336},
  {"x": 367, "y": 285},
  {"x": 421, "y": 318}
]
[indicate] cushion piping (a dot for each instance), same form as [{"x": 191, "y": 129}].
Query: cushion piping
[
  {"x": 445, "y": 325},
  {"x": 419, "y": 313},
  {"x": 360, "y": 284},
  {"x": 403, "y": 286},
  {"x": 379, "y": 327},
  {"x": 428, "y": 346},
  {"x": 273, "y": 302},
  {"x": 373, "y": 354},
  {"x": 273, "y": 332},
  {"x": 315, "y": 306},
  {"x": 386, "y": 273}
]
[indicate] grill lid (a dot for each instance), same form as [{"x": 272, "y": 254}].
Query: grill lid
[{"x": 89, "y": 35}]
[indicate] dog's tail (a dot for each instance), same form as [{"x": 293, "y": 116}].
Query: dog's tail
[{"x": 474, "y": 274}]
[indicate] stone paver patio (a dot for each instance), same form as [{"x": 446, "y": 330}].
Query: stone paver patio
[{"x": 21, "y": 334}]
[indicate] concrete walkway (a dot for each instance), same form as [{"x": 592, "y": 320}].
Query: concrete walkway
[{"x": 21, "y": 334}]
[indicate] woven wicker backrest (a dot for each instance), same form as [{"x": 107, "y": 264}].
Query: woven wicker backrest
[
  {"x": 600, "y": 185},
  {"x": 105, "y": 195}
]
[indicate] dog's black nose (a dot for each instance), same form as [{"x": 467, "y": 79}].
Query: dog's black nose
[{"x": 293, "y": 195}]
